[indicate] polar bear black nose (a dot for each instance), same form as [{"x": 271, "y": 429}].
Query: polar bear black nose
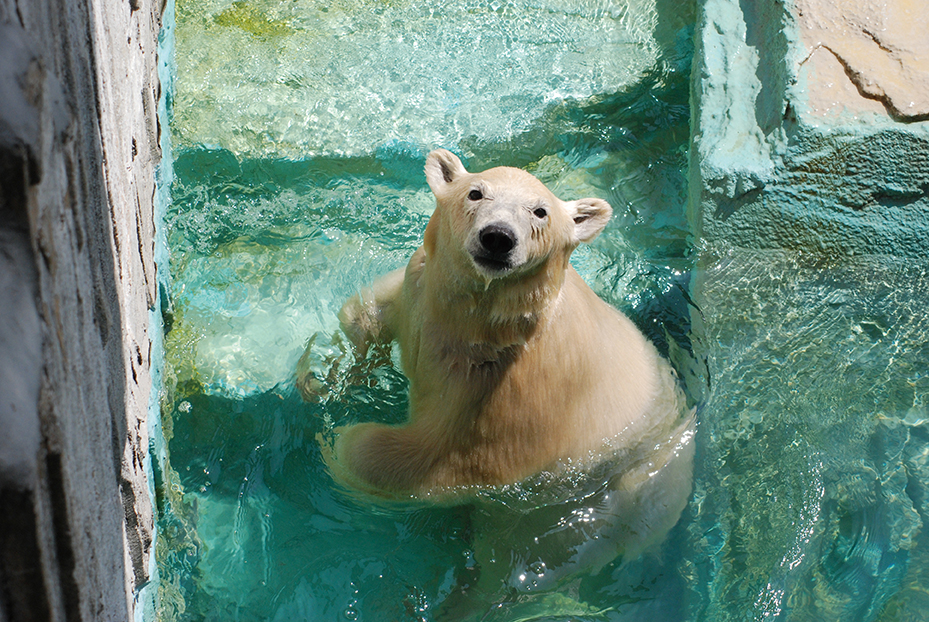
[{"x": 497, "y": 240}]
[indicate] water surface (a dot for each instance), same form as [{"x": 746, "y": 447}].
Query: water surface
[{"x": 300, "y": 130}]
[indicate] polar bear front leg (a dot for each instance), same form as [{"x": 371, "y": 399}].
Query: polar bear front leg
[{"x": 367, "y": 317}]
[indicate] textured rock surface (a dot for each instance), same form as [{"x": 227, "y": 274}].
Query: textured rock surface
[
  {"x": 810, "y": 187},
  {"x": 865, "y": 57},
  {"x": 804, "y": 136},
  {"x": 78, "y": 142}
]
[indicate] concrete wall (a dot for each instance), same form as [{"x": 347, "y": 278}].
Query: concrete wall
[
  {"x": 78, "y": 143},
  {"x": 809, "y": 127},
  {"x": 809, "y": 194}
]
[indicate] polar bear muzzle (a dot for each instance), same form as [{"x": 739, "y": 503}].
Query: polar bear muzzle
[{"x": 496, "y": 242}]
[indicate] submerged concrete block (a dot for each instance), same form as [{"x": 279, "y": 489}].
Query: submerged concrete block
[
  {"x": 809, "y": 126},
  {"x": 267, "y": 79},
  {"x": 809, "y": 180}
]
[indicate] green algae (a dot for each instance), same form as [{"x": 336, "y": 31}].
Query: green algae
[{"x": 245, "y": 15}]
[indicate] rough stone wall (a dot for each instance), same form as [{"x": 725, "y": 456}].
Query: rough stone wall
[
  {"x": 810, "y": 126},
  {"x": 809, "y": 172},
  {"x": 78, "y": 146}
]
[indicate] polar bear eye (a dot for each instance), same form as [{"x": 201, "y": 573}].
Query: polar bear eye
[
  {"x": 475, "y": 195},
  {"x": 540, "y": 212}
]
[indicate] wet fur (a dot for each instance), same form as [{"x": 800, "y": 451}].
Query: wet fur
[{"x": 510, "y": 373}]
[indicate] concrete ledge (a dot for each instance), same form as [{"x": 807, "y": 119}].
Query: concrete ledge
[{"x": 808, "y": 128}]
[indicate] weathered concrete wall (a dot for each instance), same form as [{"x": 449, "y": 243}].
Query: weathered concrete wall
[
  {"x": 78, "y": 143},
  {"x": 809, "y": 126},
  {"x": 810, "y": 192}
]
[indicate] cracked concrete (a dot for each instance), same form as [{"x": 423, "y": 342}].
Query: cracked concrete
[{"x": 879, "y": 50}]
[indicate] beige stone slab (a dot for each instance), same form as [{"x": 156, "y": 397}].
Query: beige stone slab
[{"x": 865, "y": 56}]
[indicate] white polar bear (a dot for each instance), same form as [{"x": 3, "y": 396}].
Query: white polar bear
[{"x": 517, "y": 368}]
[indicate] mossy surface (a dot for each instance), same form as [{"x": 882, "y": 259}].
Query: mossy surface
[{"x": 245, "y": 15}]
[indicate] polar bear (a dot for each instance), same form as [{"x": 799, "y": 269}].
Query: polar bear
[
  {"x": 515, "y": 365},
  {"x": 517, "y": 368}
]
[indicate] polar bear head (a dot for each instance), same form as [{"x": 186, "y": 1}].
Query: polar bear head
[{"x": 503, "y": 222}]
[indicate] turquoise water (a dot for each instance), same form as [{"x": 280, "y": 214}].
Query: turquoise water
[
  {"x": 300, "y": 130},
  {"x": 811, "y": 495}
]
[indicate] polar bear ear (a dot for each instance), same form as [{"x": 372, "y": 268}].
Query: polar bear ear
[
  {"x": 590, "y": 217},
  {"x": 442, "y": 168}
]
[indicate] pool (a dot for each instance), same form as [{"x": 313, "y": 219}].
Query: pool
[{"x": 297, "y": 179}]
